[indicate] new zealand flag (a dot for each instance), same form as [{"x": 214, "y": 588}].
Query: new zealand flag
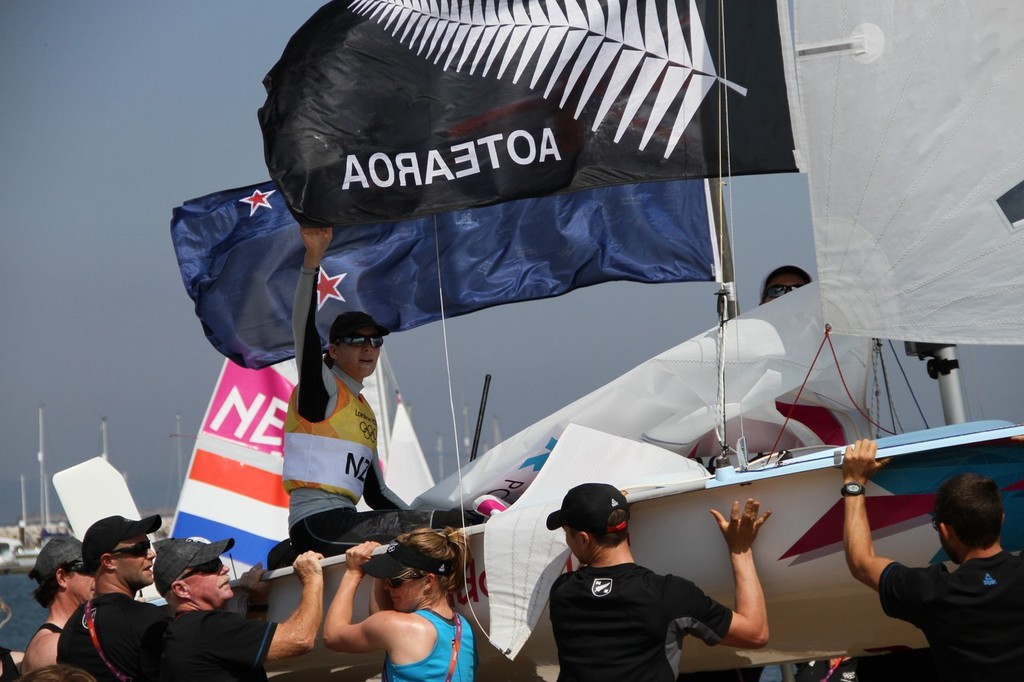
[
  {"x": 387, "y": 109},
  {"x": 239, "y": 252}
]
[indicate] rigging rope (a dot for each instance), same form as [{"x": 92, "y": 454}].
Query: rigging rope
[
  {"x": 826, "y": 338},
  {"x": 455, "y": 421}
]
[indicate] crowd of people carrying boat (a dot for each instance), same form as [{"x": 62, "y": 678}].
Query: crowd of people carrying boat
[{"x": 612, "y": 619}]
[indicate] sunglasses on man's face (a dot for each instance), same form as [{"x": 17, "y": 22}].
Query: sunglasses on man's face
[
  {"x": 76, "y": 566},
  {"x": 359, "y": 341},
  {"x": 139, "y": 549},
  {"x": 211, "y": 567}
]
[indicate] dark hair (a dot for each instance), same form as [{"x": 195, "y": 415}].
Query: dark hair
[
  {"x": 971, "y": 505},
  {"x": 58, "y": 672},
  {"x": 785, "y": 270},
  {"x": 618, "y": 537},
  {"x": 47, "y": 590}
]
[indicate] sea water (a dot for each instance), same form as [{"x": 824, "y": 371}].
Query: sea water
[{"x": 26, "y": 614}]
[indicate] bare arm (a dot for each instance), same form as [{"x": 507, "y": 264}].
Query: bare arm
[
  {"x": 340, "y": 633},
  {"x": 40, "y": 652},
  {"x": 749, "y": 627},
  {"x": 859, "y": 465},
  {"x": 297, "y": 635}
]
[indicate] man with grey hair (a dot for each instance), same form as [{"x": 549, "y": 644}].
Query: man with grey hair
[
  {"x": 63, "y": 586},
  {"x": 206, "y": 642}
]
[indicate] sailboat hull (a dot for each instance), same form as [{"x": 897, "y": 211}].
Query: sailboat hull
[{"x": 816, "y": 609}]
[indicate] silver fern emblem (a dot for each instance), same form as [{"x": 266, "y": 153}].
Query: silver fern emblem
[{"x": 583, "y": 39}]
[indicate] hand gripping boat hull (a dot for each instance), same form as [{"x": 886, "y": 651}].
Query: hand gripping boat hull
[{"x": 815, "y": 608}]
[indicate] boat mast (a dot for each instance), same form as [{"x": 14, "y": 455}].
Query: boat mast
[
  {"x": 177, "y": 433},
  {"x": 23, "y": 524},
  {"x": 44, "y": 491},
  {"x": 103, "y": 433},
  {"x": 943, "y": 366},
  {"x": 728, "y": 308}
]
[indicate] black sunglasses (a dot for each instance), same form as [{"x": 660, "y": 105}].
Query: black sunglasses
[
  {"x": 397, "y": 582},
  {"x": 779, "y": 290},
  {"x": 76, "y": 566},
  {"x": 374, "y": 341},
  {"x": 211, "y": 567},
  {"x": 139, "y": 549}
]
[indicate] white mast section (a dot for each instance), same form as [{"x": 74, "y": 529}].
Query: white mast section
[
  {"x": 24, "y": 511},
  {"x": 103, "y": 434},
  {"x": 44, "y": 489}
]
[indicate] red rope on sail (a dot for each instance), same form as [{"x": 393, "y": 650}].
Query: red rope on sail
[
  {"x": 807, "y": 378},
  {"x": 853, "y": 402},
  {"x": 826, "y": 338}
]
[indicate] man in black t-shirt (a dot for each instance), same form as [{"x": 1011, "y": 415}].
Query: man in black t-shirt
[
  {"x": 204, "y": 642},
  {"x": 973, "y": 617},
  {"x": 615, "y": 620},
  {"x": 113, "y": 636}
]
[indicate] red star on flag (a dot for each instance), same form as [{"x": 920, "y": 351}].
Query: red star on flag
[
  {"x": 327, "y": 288},
  {"x": 257, "y": 200}
]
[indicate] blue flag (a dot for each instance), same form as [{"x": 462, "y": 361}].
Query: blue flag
[{"x": 239, "y": 252}]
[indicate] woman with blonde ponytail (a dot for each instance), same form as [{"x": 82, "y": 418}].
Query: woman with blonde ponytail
[{"x": 411, "y": 616}]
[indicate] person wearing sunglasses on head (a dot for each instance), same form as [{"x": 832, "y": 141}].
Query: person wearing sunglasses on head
[
  {"x": 411, "y": 617},
  {"x": 204, "y": 642},
  {"x": 113, "y": 636},
  {"x": 63, "y": 585},
  {"x": 330, "y": 450}
]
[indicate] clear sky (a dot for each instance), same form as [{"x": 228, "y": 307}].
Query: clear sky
[{"x": 113, "y": 113}]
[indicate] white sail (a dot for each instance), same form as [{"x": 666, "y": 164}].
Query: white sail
[
  {"x": 670, "y": 399},
  {"x": 915, "y": 161}
]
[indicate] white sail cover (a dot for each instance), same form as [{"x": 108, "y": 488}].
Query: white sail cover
[{"x": 915, "y": 157}]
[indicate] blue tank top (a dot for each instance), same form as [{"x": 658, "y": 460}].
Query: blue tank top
[{"x": 434, "y": 668}]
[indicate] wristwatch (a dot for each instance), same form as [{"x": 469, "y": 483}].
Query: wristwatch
[{"x": 851, "y": 488}]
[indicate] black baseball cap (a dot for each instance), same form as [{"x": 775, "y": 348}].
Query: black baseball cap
[
  {"x": 399, "y": 558},
  {"x": 588, "y": 506},
  {"x": 103, "y": 536},
  {"x": 175, "y": 555},
  {"x": 347, "y": 323}
]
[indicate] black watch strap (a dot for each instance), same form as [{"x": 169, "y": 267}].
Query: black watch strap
[{"x": 850, "y": 489}]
